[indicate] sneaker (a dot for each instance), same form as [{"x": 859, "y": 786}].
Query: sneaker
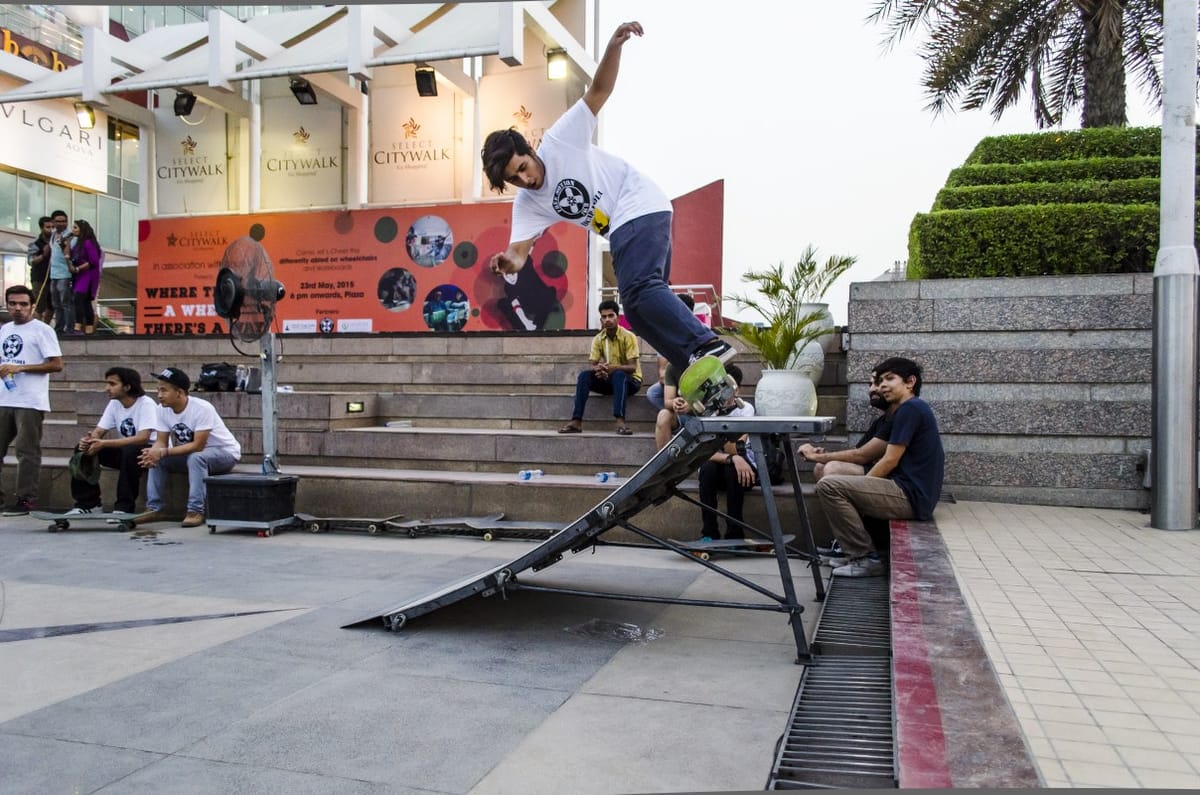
[
  {"x": 866, "y": 566},
  {"x": 714, "y": 347},
  {"x": 22, "y": 506},
  {"x": 150, "y": 516},
  {"x": 78, "y": 511},
  {"x": 833, "y": 554},
  {"x": 193, "y": 519}
]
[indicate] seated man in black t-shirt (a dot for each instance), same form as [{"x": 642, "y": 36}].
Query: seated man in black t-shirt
[{"x": 905, "y": 483}]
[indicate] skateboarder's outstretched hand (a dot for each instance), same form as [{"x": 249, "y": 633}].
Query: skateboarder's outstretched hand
[{"x": 500, "y": 264}]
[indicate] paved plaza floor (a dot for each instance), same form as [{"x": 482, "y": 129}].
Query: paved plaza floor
[{"x": 1092, "y": 622}]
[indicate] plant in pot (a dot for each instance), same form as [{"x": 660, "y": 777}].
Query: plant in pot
[{"x": 793, "y": 321}]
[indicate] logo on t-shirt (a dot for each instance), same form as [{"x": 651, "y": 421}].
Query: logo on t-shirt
[
  {"x": 13, "y": 345},
  {"x": 127, "y": 428},
  {"x": 571, "y": 199},
  {"x": 182, "y": 432}
]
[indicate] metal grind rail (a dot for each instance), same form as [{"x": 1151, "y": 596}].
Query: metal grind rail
[{"x": 841, "y": 729}]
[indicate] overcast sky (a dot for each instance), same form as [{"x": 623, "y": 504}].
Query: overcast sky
[{"x": 820, "y": 134}]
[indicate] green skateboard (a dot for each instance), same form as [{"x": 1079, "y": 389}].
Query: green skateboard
[{"x": 707, "y": 387}]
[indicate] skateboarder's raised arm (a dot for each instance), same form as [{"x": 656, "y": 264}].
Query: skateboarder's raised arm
[{"x": 606, "y": 72}]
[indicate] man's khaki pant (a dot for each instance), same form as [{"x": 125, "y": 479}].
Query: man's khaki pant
[
  {"x": 848, "y": 498},
  {"x": 23, "y": 429}
]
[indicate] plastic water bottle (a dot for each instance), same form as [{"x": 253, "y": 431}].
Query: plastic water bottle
[
  {"x": 605, "y": 477},
  {"x": 529, "y": 474},
  {"x": 10, "y": 383}
]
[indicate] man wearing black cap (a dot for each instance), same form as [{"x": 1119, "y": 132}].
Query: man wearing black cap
[{"x": 192, "y": 438}]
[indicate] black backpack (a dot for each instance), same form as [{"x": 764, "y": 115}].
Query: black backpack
[
  {"x": 774, "y": 460},
  {"x": 217, "y": 377}
]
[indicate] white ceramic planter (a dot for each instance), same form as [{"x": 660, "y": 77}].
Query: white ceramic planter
[
  {"x": 785, "y": 393},
  {"x": 826, "y": 323},
  {"x": 810, "y": 360}
]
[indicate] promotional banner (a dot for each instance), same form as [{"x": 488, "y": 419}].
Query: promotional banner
[
  {"x": 412, "y": 146},
  {"x": 191, "y": 166},
  {"x": 518, "y": 98},
  {"x": 301, "y": 154},
  {"x": 45, "y": 138},
  {"x": 396, "y": 269}
]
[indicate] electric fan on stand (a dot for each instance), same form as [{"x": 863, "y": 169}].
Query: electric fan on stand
[{"x": 245, "y": 294}]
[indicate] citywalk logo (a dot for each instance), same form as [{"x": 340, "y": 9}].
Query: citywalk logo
[
  {"x": 189, "y": 146},
  {"x": 413, "y": 151},
  {"x": 198, "y": 239},
  {"x": 411, "y": 128},
  {"x": 301, "y": 136}
]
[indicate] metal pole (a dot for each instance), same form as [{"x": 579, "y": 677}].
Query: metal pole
[{"x": 1176, "y": 275}]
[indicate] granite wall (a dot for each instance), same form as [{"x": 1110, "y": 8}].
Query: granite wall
[{"x": 1041, "y": 386}]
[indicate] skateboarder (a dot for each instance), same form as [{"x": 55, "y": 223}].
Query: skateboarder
[
  {"x": 192, "y": 438},
  {"x": 131, "y": 413},
  {"x": 569, "y": 179}
]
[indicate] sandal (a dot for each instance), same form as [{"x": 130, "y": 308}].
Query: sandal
[
  {"x": 569, "y": 428},
  {"x": 625, "y": 430}
]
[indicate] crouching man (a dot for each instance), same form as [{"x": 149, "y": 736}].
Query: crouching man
[
  {"x": 132, "y": 414},
  {"x": 905, "y": 483},
  {"x": 192, "y": 438}
]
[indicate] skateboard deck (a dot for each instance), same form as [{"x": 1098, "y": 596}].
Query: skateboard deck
[
  {"x": 733, "y": 546},
  {"x": 488, "y": 527},
  {"x": 63, "y": 521},
  {"x": 706, "y": 386},
  {"x": 315, "y": 524}
]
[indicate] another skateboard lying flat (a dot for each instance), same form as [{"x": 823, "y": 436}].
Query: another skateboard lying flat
[
  {"x": 103, "y": 521},
  {"x": 733, "y": 546}
]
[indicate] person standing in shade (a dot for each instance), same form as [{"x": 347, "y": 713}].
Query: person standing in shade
[
  {"x": 62, "y": 298},
  {"x": 29, "y": 352},
  {"x": 132, "y": 414},
  {"x": 570, "y": 179},
  {"x": 192, "y": 438}
]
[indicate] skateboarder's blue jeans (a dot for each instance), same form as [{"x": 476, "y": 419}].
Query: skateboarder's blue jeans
[
  {"x": 619, "y": 384},
  {"x": 198, "y": 466},
  {"x": 641, "y": 252}
]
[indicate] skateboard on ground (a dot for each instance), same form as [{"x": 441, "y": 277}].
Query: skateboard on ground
[
  {"x": 488, "y": 527},
  {"x": 733, "y": 546},
  {"x": 707, "y": 387},
  {"x": 109, "y": 521},
  {"x": 315, "y": 524}
]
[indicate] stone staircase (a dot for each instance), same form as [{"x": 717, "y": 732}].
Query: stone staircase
[{"x": 421, "y": 424}]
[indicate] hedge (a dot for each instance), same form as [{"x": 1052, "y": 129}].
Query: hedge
[
  {"x": 1034, "y": 240},
  {"x": 1099, "y": 168},
  {"x": 1069, "y": 145},
  {"x": 1146, "y": 190}
]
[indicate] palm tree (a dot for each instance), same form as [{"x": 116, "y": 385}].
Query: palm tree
[{"x": 1063, "y": 52}]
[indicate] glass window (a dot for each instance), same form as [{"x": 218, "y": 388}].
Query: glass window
[
  {"x": 16, "y": 270},
  {"x": 31, "y": 203},
  {"x": 58, "y": 197},
  {"x": 108, "y": 221},
  {"x": 130, "y": 191},
  {"x": 114, "y": 185},
  {"x": 130, "y": 155},
  {"x": 132, "y": 19},
  {"x": 129, "y": 226},
  {"x": 154, "y": 16},
  {"x": 8, "y": 200},
  {"x": 85, "y": 207}
]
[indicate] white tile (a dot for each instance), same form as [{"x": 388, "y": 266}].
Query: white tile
[
  {"x": 1092, "y": 774},
  {"x": 1166, "y": 779},
  {"x": 1156, "y": 760},
  {"x": 1086, "y": 752}
]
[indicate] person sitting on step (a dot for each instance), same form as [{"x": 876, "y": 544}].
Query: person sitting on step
[
  {"x": 615, "y": 369},
  {"x": 132, "y": 414}
]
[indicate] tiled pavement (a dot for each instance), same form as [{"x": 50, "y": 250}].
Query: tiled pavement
[{"x": 1092, "y": 621}]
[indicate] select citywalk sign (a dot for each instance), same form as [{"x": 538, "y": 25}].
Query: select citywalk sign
[{"x": 366, "y": 271}]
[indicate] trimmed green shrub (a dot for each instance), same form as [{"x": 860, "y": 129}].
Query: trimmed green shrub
[
  {"x": 1124, "y": 191},
  {"x": 1034, "y": 240},
  {"x": 1069, "y": 145},
  {"x": 1100, "y": 168}
]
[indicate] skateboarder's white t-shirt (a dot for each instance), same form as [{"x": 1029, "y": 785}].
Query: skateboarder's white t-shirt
[
  {"x": 584, "y": 185},
  {"x": 197, "y": 415},
  {"x": 130, "y": 421},
  {"x": 32, "y": 342}
]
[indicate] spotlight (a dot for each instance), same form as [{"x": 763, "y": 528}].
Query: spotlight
[
  {"x": 556, "y": 64},
  {"x": 303, "y": 91},
  {"x": 184, "y": 102},
  {"x": 85, "y": 115},
  {"x": 426, "y": 82}
]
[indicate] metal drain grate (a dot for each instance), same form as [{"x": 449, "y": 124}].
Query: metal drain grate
[
  {"x": 856, "y": 618},
  {"x": 840, "y": 731}
]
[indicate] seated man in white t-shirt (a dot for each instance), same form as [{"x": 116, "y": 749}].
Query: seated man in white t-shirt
[
  {"x": 192, "y": 438},
  {"x": 131, "y": 413}
]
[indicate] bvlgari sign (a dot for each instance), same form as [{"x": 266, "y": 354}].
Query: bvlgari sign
[{"x": 45, "y": 138}]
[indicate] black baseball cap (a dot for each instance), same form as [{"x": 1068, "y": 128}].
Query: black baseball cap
[{"x": 175, "y": 377}]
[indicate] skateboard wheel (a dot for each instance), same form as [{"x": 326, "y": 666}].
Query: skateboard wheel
[
  {"x": 314, "y": 527},
  {"x": 269, "y": 532},
  {"x": 53, "y": 528},
  {"x": 212, "y": 529},
  {"x": 705, "y": 556},
  {"x": 372, "y": 528},
  {"x": 412, "y": 533},
  {"x": 128, "y": 525},
  {"x": 488, "y": 536}
]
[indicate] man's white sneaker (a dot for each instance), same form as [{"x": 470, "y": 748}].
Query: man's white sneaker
[
  {"x": 77, "y": 511},
  {"x": 866, "y": 566}
]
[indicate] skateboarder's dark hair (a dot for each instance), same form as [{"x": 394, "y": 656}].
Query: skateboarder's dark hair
[
  {"x": 905, "y": 368},
  {"x": 500, "y": 147},
  {"x": 608, "y": 303},
  {"x": 129, "y": 377}
]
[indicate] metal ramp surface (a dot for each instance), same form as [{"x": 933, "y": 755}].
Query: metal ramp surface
[{"x": 654, "y": 483}]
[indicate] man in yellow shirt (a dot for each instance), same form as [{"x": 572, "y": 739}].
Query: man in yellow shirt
[{"x": 615, "y": 370}]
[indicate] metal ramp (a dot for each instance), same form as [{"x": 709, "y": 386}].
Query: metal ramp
[{"x": 656, "y": 482}]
